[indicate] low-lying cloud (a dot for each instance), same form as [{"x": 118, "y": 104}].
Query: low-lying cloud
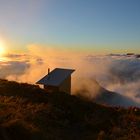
[{"x": 118, "y": 73}]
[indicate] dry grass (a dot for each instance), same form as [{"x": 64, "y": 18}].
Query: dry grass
[{"x": 29, "y": 113}]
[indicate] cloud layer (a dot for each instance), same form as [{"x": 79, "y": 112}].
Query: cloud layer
[{"x": 118, "y": 73}]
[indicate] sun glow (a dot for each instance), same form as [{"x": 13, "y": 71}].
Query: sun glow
[{"x": 2, "y": 48}]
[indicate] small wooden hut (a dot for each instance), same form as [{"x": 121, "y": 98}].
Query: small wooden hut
[{"x": 58, "y": 80}]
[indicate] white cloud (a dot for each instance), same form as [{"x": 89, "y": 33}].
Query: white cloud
[{"x": 118, "y": 73}]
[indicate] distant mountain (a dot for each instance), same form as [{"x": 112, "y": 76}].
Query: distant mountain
[
  {"x": 104, "y": 96},
  {"x": 126, "y": 55},
  {"x": 114, "y": 99},
  {"x": 30, "y": 113}
]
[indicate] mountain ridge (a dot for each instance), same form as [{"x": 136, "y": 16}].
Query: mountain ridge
[
  {"x": 104, "y": 96},
  {"x": 28, "y": 112}
]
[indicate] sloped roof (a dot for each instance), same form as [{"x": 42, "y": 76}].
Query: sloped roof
[{"x": 55, "y": 77}]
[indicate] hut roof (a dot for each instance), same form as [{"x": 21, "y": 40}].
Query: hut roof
[{"x": 55, "y": 77}]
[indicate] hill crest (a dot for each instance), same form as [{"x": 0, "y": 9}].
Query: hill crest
[{"x": 28, "y": 112}]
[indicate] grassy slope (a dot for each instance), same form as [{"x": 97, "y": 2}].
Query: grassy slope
[{"x": 29, "y": 113}]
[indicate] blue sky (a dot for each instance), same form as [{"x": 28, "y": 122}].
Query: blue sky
[{"x": 94, "y": 24}]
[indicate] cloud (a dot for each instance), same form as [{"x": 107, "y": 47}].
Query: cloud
[
  {"x": 13, "y": 68},
  {"x": 116, "y": 72}
]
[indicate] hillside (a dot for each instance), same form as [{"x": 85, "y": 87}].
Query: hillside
[
  {"x": 29, "y": 113},
  {"x": 106, "y": 97}
]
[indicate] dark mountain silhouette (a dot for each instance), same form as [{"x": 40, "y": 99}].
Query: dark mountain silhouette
[
  {"x": 106, "y": 97},
  {"x": 29, "y": 113},
  {"x": 114, "y": 99}
]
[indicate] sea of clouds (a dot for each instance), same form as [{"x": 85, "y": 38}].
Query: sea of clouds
[{"x": 116, "y": 72}]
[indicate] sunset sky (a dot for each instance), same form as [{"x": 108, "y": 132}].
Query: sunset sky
[{"x": 94, "y": 25}]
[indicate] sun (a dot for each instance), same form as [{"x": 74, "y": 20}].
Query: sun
[{"x": 2, "y": 48}]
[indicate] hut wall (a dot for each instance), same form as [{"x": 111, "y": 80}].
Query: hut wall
[
  {"x": 66, "y": 85},
  {"x": 51, "y": 88}
]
